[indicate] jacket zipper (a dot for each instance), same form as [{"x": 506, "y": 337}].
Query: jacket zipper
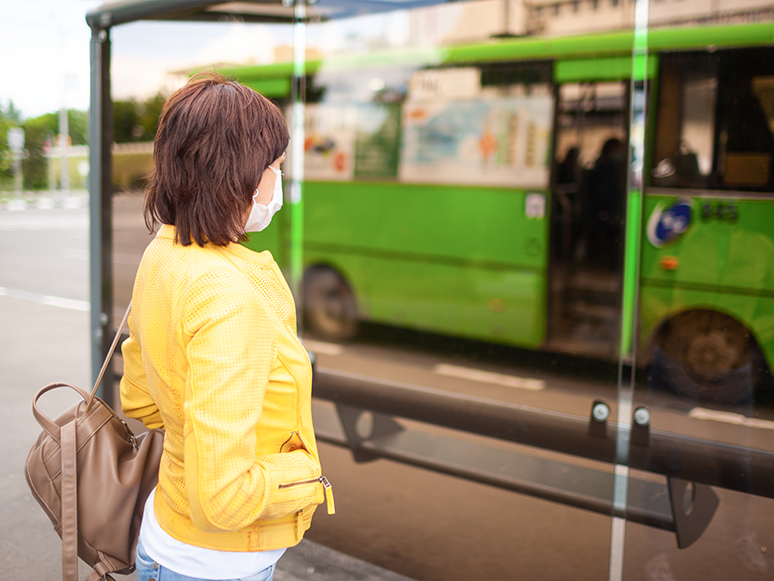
[{"x": 331, "y": 506}]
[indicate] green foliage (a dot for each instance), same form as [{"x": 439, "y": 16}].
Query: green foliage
[
  {"x": 151, "y": 111},
  {"x": 77, "y": 125},
  {"x": 9, "y": 117},
  {"x": 35, "y": 166},
  {"x": 126, "y": 121},
  {"x": 135, "y": 121},
  {"x": 10, "y": 113}
]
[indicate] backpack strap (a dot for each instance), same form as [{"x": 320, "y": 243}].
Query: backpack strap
[
  {"x": 100, "y": 573},
  {"x": 69, "y": 488},
  {"x": 108, "y": 356},
  {"x": 69, "y": 498}
]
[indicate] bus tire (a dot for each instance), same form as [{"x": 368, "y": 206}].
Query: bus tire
[
  {"x": 706, "y": 356},
  {"x": 329, "y": 306}
]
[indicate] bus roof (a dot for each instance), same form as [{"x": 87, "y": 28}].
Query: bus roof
[{"x": 531, "y": 48}]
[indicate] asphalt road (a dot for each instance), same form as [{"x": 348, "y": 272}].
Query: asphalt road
[{"x": 423, "y": 524}]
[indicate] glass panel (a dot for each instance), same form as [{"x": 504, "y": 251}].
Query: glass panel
[
  {"x": 434, "y": 266},
  {"x": 511, "y": 221},
  {"x": 701, "y": 416}
]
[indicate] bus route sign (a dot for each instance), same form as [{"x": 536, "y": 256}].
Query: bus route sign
[{"x": 667, "y": 224}]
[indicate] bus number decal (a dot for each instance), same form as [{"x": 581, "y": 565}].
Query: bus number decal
[{"x": 722, "y": 211}]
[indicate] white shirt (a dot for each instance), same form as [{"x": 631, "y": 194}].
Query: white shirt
[{"x": 198, "y": 562}]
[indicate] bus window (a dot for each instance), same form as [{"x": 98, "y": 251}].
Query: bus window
[
  {"x": 686, "y": 122},
  {"x": 715, "y": 122}
]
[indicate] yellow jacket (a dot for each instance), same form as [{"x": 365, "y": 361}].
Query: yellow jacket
[{"x": 213, "y": 359}]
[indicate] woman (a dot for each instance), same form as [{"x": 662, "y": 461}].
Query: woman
[{"x": 213, "y": 357}]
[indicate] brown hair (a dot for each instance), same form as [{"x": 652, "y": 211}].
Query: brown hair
[{"x": 215, "y": 139}]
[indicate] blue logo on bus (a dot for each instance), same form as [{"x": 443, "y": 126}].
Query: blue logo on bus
[{"x": 667, "y": 224}]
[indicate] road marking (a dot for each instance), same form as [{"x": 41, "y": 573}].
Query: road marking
[
  {"x": 489, "y": 377},
  {"x": 730, "y": 418},
  {"x": 320, "y": 348},
  {"x": 38, "y": 222},
  {"x": 73, "y": 304}
]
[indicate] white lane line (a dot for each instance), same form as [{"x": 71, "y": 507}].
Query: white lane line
[
  {"x": 45, "y": 299},
  {"x": 730, "y": 418},
  {"x": 489, "y": 377},
  {"x": 13, "y": 222},
  {"x": 321, "y": 348}
]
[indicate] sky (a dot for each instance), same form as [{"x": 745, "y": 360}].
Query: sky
[
  {"x": 44, "y": 48},
  {"x": 40, "y": 42}
]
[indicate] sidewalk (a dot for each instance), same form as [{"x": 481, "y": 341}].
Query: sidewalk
[{"x": 41, "y": 344}]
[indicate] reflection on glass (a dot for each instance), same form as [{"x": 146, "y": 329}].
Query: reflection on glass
[{"x": 464, "y": 204}]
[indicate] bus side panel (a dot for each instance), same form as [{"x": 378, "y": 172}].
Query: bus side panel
[
  {"x": 724, "y": 261},
  {"x": 729, "y": 244},
  {"x": 427, "y": 222},
  {"x": 460, "y": 260},
  {"x": 270, "y": 239},
  {"x": 493, "y": 305}
]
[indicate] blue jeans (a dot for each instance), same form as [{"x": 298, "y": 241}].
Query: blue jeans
[{"x": 149, "y": 570}]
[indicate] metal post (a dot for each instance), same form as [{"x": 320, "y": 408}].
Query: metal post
[
  {"x": 64, "y": 144},
  {"x": 297, "y": 145},
  {"x": 100, "y": 209},
  {"x": 626, "y": 354},
  {"x": 16, "y": 144}
]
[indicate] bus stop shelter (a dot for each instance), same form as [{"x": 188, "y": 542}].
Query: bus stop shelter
[
  {"x": 704, "y": 463},
  {"x": 101, "y": 20}
]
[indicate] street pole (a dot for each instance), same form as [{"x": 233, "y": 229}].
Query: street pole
[
  {"x": 64, "y": 166},
  {"x": 16, "y": 143}
]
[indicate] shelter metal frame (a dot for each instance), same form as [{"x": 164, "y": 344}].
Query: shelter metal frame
[{"x": 686, "y": 462}]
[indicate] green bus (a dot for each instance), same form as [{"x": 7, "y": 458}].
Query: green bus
[{"x": 481, "y": 191}]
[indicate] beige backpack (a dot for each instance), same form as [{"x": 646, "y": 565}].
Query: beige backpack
[{"x": 92, "y": 476}]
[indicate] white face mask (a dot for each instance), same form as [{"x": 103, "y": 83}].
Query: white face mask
[{"x": 260, "y": 215}]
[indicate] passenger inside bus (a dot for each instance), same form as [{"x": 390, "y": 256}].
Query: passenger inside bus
[{"x": 604, "y": 191}]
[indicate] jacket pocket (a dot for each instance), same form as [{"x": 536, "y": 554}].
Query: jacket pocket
[
  {"x": 294, "y": 481},
  {"x": 326, "y": 488}
]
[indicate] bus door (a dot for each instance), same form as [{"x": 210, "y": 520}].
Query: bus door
[{"x": 588, "y": 202}]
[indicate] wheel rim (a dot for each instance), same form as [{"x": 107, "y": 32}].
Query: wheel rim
[{"x": 330, "y": 307}]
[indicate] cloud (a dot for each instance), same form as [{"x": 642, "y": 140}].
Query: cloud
[
  {"x": 140, "y": 77},
  {"x": 241, "y": 44},
  {"x": 147, "y": 55},
  {"x": 41, "y": 43}
]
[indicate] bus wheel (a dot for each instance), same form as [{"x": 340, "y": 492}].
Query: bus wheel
[
  {"x": 705, "y": 355},
  {"x": 329, "y": 305}
]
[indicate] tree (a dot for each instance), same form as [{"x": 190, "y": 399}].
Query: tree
[
  {"x": 77, "y": 125},
  {"x": 135, "y": 121},
  {"x": 42, "y": 130},
  {"x": 10, "y": 113},
  {"x": 126, "y": 117},
  {"x": 35, "y": 165},
  {"x": 149, "y": 117},
  {"x": 9, "y": 117}
]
